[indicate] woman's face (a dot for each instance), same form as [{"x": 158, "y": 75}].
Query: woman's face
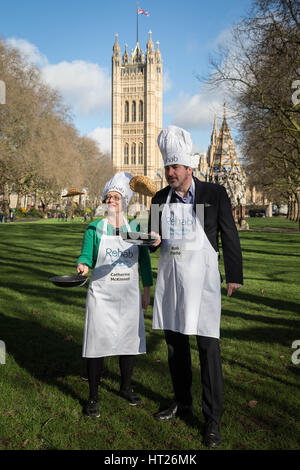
[{"x": 113, "y": 200}]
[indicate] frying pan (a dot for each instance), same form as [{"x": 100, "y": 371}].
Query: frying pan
[
  {"x": 72, "y": 280},
  {"x": 138, "y": 238}
]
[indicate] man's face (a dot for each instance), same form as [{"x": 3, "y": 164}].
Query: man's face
[{"x": 178, "y": 176}]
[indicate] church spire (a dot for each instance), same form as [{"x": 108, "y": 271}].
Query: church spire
[
  {"x": 214, "y": 134},
  {"x": 150, "y": 45},
  {"x": 225, "y": 158},
  {"x": 116, "y": 46},
  {"x": 125, "y": 56},
  {"x": 157, "y": 53},
  {"x": 137, "y": 55}
]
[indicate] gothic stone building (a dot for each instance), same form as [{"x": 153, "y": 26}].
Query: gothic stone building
[{"x": 137, "y": 111}]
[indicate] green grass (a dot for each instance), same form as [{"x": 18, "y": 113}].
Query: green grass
[
  {"x": 271, "y": 222},
  {"x": 41, "y": 390}
]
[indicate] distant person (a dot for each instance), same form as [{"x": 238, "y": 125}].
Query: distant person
[{"x": 114, "y": 321}]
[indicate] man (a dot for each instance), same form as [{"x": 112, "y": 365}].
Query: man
[{"x": 188, "y": 216}]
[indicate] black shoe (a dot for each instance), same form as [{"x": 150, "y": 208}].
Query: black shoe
[
  {"x": 175, "y": 410},
  {"x": 131, "y": 397},
  {"x": 212, "y": 436},
  {"x": 92, "y": 409}
]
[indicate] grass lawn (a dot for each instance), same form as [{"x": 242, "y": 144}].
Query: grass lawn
[{"x": 41, "y": 389}]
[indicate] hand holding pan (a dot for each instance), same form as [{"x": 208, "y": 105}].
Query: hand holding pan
[{"x": 72, "y": 280}]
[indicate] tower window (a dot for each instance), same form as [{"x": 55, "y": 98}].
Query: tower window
[
  {"x": 141, "y": 111},
  {"x": 133, "y": 154},
  {"x": 141, "y": 153},
  {"x": 133, "y": 111},
  {"x": 126, "y": 154},
  {"x": 126, "y": 113}
]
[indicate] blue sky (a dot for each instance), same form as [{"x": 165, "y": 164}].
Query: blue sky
[{"x": 71, "y": 41}]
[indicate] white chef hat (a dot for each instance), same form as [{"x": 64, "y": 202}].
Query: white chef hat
[
  {"x": 119, "y": 183},
  {"x": 175, "y": 145}
]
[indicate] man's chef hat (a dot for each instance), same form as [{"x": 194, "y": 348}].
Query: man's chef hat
[
  {"x": 175, "y": 145},
  {"x": 119, "y": 183}
]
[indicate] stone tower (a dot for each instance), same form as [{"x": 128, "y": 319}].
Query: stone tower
[
  {"x": 226, "y": 170},
  {"x": 137, "y": 111}
]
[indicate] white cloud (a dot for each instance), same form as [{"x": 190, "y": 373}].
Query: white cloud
[
  {"x": 102, "y": 136},
  {"x": 196, "y": 111},
  {"x": 28, "y": 50},
  {"x": 84, "y": 86}
]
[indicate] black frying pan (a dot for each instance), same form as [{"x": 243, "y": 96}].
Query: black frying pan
[
  {"x": 72, "y": 280},
  {"x": 138, "y": 238}
]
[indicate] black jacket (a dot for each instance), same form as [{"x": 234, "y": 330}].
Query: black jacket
[{"x": 218, "y": 219}]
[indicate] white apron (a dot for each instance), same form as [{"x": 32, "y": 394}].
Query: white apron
[
  {"x": 114, "y": 322},
  {"x": 188, "y": 288}
]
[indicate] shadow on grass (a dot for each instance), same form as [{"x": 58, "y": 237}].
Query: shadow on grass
[
  {"x": 45, "y": 254},
  {"x": 48, "y": 358},
  {"x": 270, "y": 237},
  {"x": 270, "y": 253},
  {"x": 145, "y": 362},
  {"x": 260, "y": 300},
  {"x": 260, "y": 318},
  {"x": 44, "y": 353},
  {"x": 52, "y": 294}
]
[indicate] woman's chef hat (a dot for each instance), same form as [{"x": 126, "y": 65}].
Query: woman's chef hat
[
  {"x": 119, "y": 183},
  {"x": 175, "y": 145}
]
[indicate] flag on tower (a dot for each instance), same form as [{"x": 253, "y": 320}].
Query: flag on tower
[{"x": 143, "y": 12}]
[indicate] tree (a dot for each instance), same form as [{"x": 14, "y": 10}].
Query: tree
[
  {"x": 41, "y": 151},
  {"x": 96, "y": 168},
  {"x": 259, "y": 70}
]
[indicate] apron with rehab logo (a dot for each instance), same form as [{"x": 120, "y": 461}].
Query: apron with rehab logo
[
  {"x": 114, "y": 322},
  {"x": 188, "y": 288}
]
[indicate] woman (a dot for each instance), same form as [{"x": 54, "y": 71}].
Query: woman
[{"x": 114, "y": 323}]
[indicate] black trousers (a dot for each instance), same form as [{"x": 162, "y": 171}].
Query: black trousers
[
  {"x": 180, "y": 364},
  {"x": 95, "y": 370}
]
